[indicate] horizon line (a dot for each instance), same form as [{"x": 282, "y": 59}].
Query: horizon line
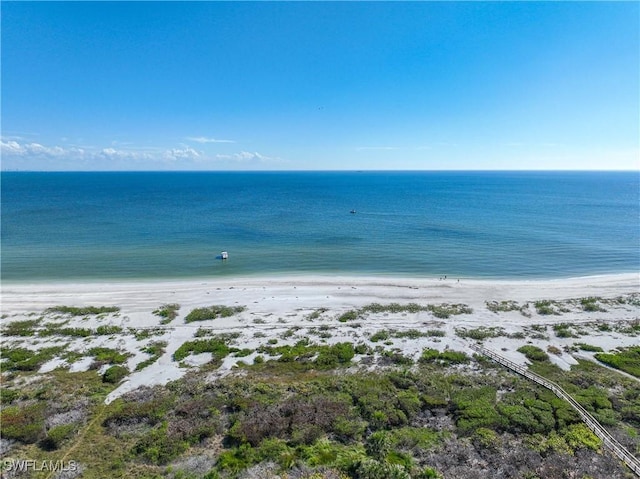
[{"x": 359, "y": 170}]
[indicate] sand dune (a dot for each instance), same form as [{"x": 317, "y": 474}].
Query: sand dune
[{"x": 280, "y": 308}]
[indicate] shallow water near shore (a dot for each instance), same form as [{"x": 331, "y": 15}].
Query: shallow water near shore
[{"x": 126, "y": 225}]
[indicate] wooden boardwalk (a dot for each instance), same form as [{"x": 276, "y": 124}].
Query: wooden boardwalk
[{"x": 608, "y": 441}]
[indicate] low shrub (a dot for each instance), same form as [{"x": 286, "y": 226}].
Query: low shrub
[
  {"x": 115, "y": 374},
  {"x": 580, "y": 436},
  {"x": 24, "y": 424},
  {"x": 107, "y": 330},
  {"x": 317, "y": 313},
  {"x": 381, "y": 335},
  {"x": 480, "y": 333},
  {"x": 57, "y": 435},
  {"x": 562, "y": 330},
  {"x": 415, "y": 438},
  {"x": 554, "y": 350},
  {"x": 159, "y": 446},
  {"x": 476, "y": 408},
  {"x": 503, "y": 306},
  {"x": 443, "y": 311},
  {"x": 108, "y": 355},
  {"x": 589, "y": 347},
  {"x": 73, "y": 332},
  {"x": 627, "y": 360},
  {"x": 213, "y": 312},
  {"x": 20, "y": 328},
  {"x": 435, "y": 333},
  {"x": 446, "y": 357},
  {"x": 350, "y": 315},
  {"x": 217, "y": 347},
  {"x": 590, "y": 304},
  {"x": 83, "y": 311},
  {"x": 155, "y": 350},
  {"x": 22, "y": 359},
  {"x": 546, "y": 307},
  {"x": 410, "y": 334},
  {"x": 533, "y": 353},
  {"x": 396, "y": 357},
  {"x": 168, "y": 312}
]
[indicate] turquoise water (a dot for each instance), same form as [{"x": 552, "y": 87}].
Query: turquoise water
[{"x": 462, "y": 224}]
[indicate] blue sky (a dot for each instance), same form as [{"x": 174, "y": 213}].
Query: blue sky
[{"x": 326, "y": 85}]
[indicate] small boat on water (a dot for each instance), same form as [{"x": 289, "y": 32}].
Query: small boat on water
[
  {"x": 353, "y": 212},
  {"x": 224, "y": 255}
]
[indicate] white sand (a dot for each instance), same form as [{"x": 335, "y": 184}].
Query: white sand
[{"x": 278, "y": 304}]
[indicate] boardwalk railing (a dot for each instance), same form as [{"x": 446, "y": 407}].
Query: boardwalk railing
[{"x": 608, "y": 440}]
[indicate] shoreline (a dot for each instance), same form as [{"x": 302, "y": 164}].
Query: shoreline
[
  {"x": 320, "y": 276},
  {"x": 307, "y": 275},
  {"x": 17, "y": 297}
]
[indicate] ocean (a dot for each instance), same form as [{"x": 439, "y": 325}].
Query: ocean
[{"x": 171, "y": 225}]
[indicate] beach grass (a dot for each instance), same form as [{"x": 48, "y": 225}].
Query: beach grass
[{"x": 212, "y": 312}]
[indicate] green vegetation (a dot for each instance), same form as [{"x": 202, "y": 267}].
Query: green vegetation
[
  {"x": 22, "y": 359},
  {"x": 533, "y": 353},
  {"x": 108, "y": 355},
  {"x": 349, "y": 426},
  {"x": 506, "y": 306},
  {"x": 155, "y": 350},
  {"x": 115, "y": 374},
  {"x": 554, "y": 350},
  {"x": 83, "y": 311},
  {"x": 589, "y": 347},
  {"x": 142, "y": 334},
  {"x": 305, "y": 410},
  {"x": 627, "y": 360},
  {"x": 57, "y": 435},
  {"x": 563, "y": 330},
  {"x": 476, "y": 408},
  {"x": 304, "y": 356},
  {"x": 350, "y": 315},
  {"x": 20, "y": 328},
  {"x": 579, "y": 436},
  {"x": 168, "y": 312},
  {"x": 317, "y": 313},
  {"x": 108, "y": 330},
  {"x": 415, "y": 334},
  {"x": 590, "y": 304},
  {"x": 213, "y": 312},
  {"x": 481, "y": 333},
  {"x": 445, "y": 357},
  {"x": 546, "y": 307},
  {"x": 435, "y": 333},
  {"x": 24, "y": 424},
  {"x": 216, "y": 346},
  {"x": 104, "y": 330},
  {"x": 442, "y": 311},
  {"x": 73, "y": 332},
  {"x": 381, "y": 335}
]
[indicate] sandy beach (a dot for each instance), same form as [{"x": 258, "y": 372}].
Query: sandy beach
[{"x": 287, "y": 309}]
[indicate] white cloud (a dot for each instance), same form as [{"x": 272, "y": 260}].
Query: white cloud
[
  {"x": 247, "y": 156},
  {"x": 50, "y": 156},
  {"x": 202, "y": 139},
  {"x": 185, "y": 153},
  {"x": 21, "y": 155},
  {"x": 13, "y": 148}
]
